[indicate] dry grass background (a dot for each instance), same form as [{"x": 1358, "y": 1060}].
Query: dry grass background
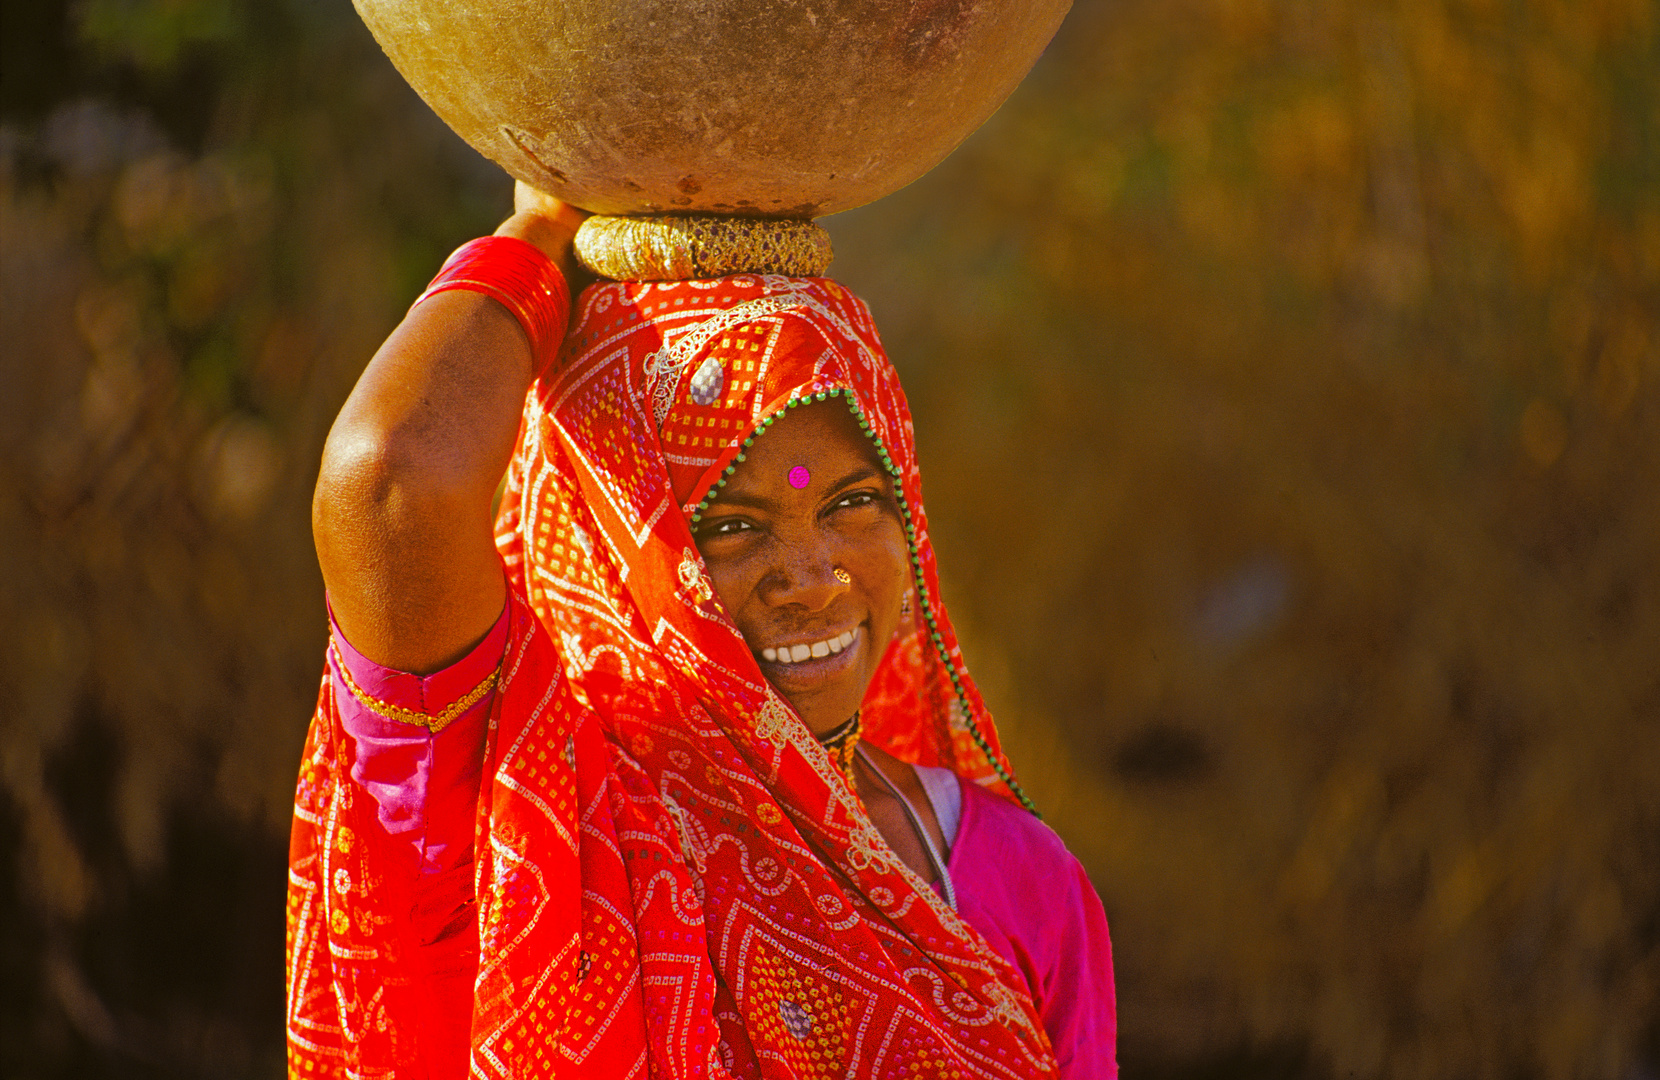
[{"x": 1287, "y": 380}]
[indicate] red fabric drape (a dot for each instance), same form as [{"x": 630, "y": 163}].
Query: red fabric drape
[{"x": 672, "y": 879}]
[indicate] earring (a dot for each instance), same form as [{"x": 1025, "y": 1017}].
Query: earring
[{"x": 905, "y": 604}]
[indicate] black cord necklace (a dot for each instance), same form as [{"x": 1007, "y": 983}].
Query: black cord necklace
[{"x": 842, "y": 741}]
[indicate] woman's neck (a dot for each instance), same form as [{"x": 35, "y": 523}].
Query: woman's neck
[
  {"x": 887, "y": 813},
  {"x": 842, "y": 741}
]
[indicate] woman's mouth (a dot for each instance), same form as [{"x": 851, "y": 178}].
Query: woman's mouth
[{"x": 812, "y": 650}]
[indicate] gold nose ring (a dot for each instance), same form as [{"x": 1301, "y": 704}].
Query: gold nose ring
[{"x": 843, "y": 576}]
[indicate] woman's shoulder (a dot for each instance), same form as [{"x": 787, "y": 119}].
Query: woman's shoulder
[
  {"x": 1013, "y": 870},
  {"x": 997, "y": 829}
]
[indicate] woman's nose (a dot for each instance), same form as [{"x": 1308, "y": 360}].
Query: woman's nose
[{"x": 810, "y": 579}]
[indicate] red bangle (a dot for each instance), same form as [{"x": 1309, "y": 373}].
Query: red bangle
[{"x": 519, "y": 276}]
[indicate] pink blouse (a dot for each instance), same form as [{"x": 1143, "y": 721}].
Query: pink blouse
[{"x": 1001, "y": 858}]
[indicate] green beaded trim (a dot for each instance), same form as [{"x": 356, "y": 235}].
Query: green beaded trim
[{"x": 916, "y": 561}]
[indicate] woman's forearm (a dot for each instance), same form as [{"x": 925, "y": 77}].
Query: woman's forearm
[{"x": 402, "y": 511}]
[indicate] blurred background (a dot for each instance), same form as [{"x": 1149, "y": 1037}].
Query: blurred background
[{"x": 1287, "y": 378}]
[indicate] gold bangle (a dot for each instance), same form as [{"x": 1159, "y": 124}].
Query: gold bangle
[{"x": 679, "y": 248}]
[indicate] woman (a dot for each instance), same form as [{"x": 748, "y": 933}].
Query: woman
[{"x": 697, "y": 783}]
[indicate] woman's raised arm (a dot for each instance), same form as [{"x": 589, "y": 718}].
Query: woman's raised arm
[{"x": 401, "y": 515}]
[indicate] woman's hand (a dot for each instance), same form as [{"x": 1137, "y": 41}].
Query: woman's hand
[{"x": 551, "y": 225}]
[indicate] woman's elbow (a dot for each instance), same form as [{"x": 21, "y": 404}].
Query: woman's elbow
[{"x": 373, "y": 486}]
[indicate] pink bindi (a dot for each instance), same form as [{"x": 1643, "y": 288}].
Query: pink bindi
[{"x": 799, "y": 477}]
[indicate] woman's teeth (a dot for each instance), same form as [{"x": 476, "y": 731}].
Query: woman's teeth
[{"x": 795, "y": 654}]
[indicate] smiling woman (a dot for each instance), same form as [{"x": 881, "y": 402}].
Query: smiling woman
[
  {"x": 682, "y": 772},
  {"x": 813, "y": 575}
]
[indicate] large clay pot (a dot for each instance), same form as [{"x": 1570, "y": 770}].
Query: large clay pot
[{"x": 776, "y": 108}]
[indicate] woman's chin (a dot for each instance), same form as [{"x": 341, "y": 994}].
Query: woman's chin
[
  {"x": 823, "y": 690},
  {"x": 822, "y": 718}
]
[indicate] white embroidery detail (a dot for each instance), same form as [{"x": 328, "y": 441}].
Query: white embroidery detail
[
  {"x": 689, "y": 847},
  {"x": 773, "y": 725},
  {"x": 867, "y": 849},
  {"x": 664, "y": 367},
  {"x": 1005, "y": 1007},
  {"x": 692, "y": 578}
]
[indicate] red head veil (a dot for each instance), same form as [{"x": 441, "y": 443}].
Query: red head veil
[{"x": 672, "y": 878}]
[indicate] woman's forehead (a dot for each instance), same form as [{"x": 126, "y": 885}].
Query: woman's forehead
[{"x": 811, "y": 442}]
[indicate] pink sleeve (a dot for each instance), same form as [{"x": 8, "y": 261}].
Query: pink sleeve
[
  {"x": 1030, "y": 898},
  {"x": 424, "y": 781},
  {"x": 1079, "y": 1002},
  {"x": 418, "y": 745}
]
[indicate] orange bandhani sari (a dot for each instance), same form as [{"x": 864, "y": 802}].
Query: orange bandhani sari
[{"x": 670, "y": 876}]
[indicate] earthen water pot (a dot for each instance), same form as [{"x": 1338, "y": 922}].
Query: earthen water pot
[{"x": 774, "y": 108}]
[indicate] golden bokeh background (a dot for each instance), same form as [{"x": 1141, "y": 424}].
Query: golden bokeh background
[{"x": 1286, "y": 378}]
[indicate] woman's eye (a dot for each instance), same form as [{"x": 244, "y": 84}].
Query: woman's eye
[
  {"x": 728, "y": 527},
  {"x": 857, "y": 498}
]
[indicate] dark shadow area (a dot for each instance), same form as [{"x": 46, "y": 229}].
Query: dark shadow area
[
  {"x": 174, "y": 971},
  {"x": 1274, "y": 1063}
]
